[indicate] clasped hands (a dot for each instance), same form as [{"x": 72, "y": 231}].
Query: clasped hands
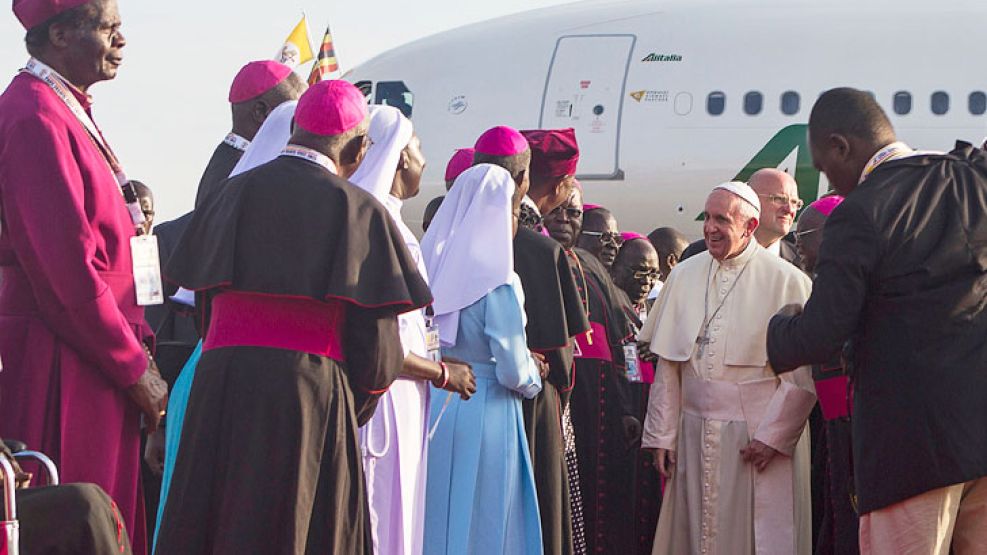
[{"x": 150, "y": 394}]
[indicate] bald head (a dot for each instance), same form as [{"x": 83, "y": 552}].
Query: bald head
[
  {"x": 250, "y": 114},
  {"x": 846, "y": 128},
  {"x": 669, "y": 243},
  {"x": 768, "y": 180},
  {"x": 779, "y": 196}
]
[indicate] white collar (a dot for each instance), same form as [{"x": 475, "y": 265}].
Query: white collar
[
  {"x": 313, "y": 156},
  {"x": 236, "y": 141},
  {"x": 752, "y": 248},
  {"x": 774, "y": 248},
  {"x": 393, "y": 205}
]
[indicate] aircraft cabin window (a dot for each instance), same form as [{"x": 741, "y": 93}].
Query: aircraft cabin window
[
  {"x": 902, "y": 103},
  {"x": 396, "y": 94},
  {"x": 790, "y": 103},
  {"x": 940, "y": 103},
  {"x": 715, "y": 103},
  {"x": 753, "y": 102},
  {"x": 978, "y": 103}
]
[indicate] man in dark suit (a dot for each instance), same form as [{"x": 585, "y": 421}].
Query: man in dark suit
[
  {"x": 902, "y": 274},
  {"x": 779, "y": 196}
]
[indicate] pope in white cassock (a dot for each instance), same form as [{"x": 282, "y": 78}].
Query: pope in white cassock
[{"x": 730, "y": 435}]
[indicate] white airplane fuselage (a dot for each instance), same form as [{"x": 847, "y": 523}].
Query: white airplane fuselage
[{"x": 669, "y": 98}]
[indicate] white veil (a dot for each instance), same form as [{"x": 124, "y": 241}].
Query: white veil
[
  {"x": 390, "y": 132},
  {"x": 469, "y": 248}
]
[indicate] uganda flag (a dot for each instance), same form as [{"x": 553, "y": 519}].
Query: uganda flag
[{"x": 325, "y": 62}]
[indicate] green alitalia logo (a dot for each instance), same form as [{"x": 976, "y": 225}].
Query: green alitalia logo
[
  {"x": 653, "y": 57},
  {"x": 777, "y": 150}
]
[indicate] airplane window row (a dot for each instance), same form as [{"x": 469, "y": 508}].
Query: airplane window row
[{"x": 790, "y": 103}]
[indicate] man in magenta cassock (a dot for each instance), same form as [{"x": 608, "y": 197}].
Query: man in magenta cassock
[{"x": 76, "y": 373}]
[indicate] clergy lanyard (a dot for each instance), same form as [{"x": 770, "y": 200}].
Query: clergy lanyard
[
  {"x": 57, "y": 84},
  {"x": 310, "y": 155},
  {"x": 236, "y": 141},
  {"x": 709, "y": 275},
  {"x": 890, "y": 152}
]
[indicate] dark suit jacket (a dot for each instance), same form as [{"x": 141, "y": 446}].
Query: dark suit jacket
[
  {"x": 551, "y": 302},
  {"x": 220, "y": 165},
  {"x": 902, "y": 273},
  {"x": 174, "y": 325},
  {"x": 787, "y": 250}
]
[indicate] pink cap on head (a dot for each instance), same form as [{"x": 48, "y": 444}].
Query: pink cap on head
[
  {"x": 32, "y": 13},
  {"x": 501, "y": 141},
  {"x": 554, "y": 152},
  {"x": 256, "y": 78},
  {"x": 826, "y": 205},
  {"x": 587, "y": 207},
  {"x": 631, "y": 235},
  {"x": 461, "y": 161},
  {"x": 331, "y": 107}
]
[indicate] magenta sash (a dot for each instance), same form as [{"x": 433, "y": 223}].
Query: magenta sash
[
  {"x": 296, "y": 324},
  {"x": 834, "y": 397},
  {"x": 594, "y": 344}
]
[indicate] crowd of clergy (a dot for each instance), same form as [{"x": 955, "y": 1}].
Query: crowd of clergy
[{"x": 521, "y": 376}]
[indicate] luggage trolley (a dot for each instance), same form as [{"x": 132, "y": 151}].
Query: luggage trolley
[{"x": 10, "y": 533}]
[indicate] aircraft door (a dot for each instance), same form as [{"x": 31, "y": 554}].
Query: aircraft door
[{"x": 585, "y": 90}]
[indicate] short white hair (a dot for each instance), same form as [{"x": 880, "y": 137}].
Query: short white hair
[{"x": 746, "y": 209}]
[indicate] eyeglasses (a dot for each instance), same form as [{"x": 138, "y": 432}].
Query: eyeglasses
[
  {"x": 781, "y": 200},
  {"x": 571, "y": 213},
  {"x": 606, "y": 237},
  {"x": 799, "y": 234},
  {"x": 649, "y": 275}
]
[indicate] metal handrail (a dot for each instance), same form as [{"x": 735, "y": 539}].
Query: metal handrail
[
  {"x": 9, "y": 489},
  {"x": 50, "y": 468}
]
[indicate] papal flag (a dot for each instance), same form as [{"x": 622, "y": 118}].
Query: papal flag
[
  {"x": 326, "y": 63},
  {"x": 297, "y": 47}
]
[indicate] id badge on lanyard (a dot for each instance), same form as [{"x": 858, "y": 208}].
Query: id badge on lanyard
[
  {"x": 632, "y": 363},
  {"x": 432, "y": 345},
  {"x": 147, "y": 270},
  {"x": 143, "y": 249}
]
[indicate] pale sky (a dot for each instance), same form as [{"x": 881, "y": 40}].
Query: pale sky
[{"x": 167, "y": 110}]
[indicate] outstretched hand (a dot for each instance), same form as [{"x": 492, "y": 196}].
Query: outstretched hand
[{"x": 644, "y": 352}]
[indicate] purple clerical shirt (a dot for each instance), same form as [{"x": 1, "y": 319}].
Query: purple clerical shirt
[{"x": 70, "y": 328}]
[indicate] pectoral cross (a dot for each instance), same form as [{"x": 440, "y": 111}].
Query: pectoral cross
[{"x": 702, "y": 341}]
